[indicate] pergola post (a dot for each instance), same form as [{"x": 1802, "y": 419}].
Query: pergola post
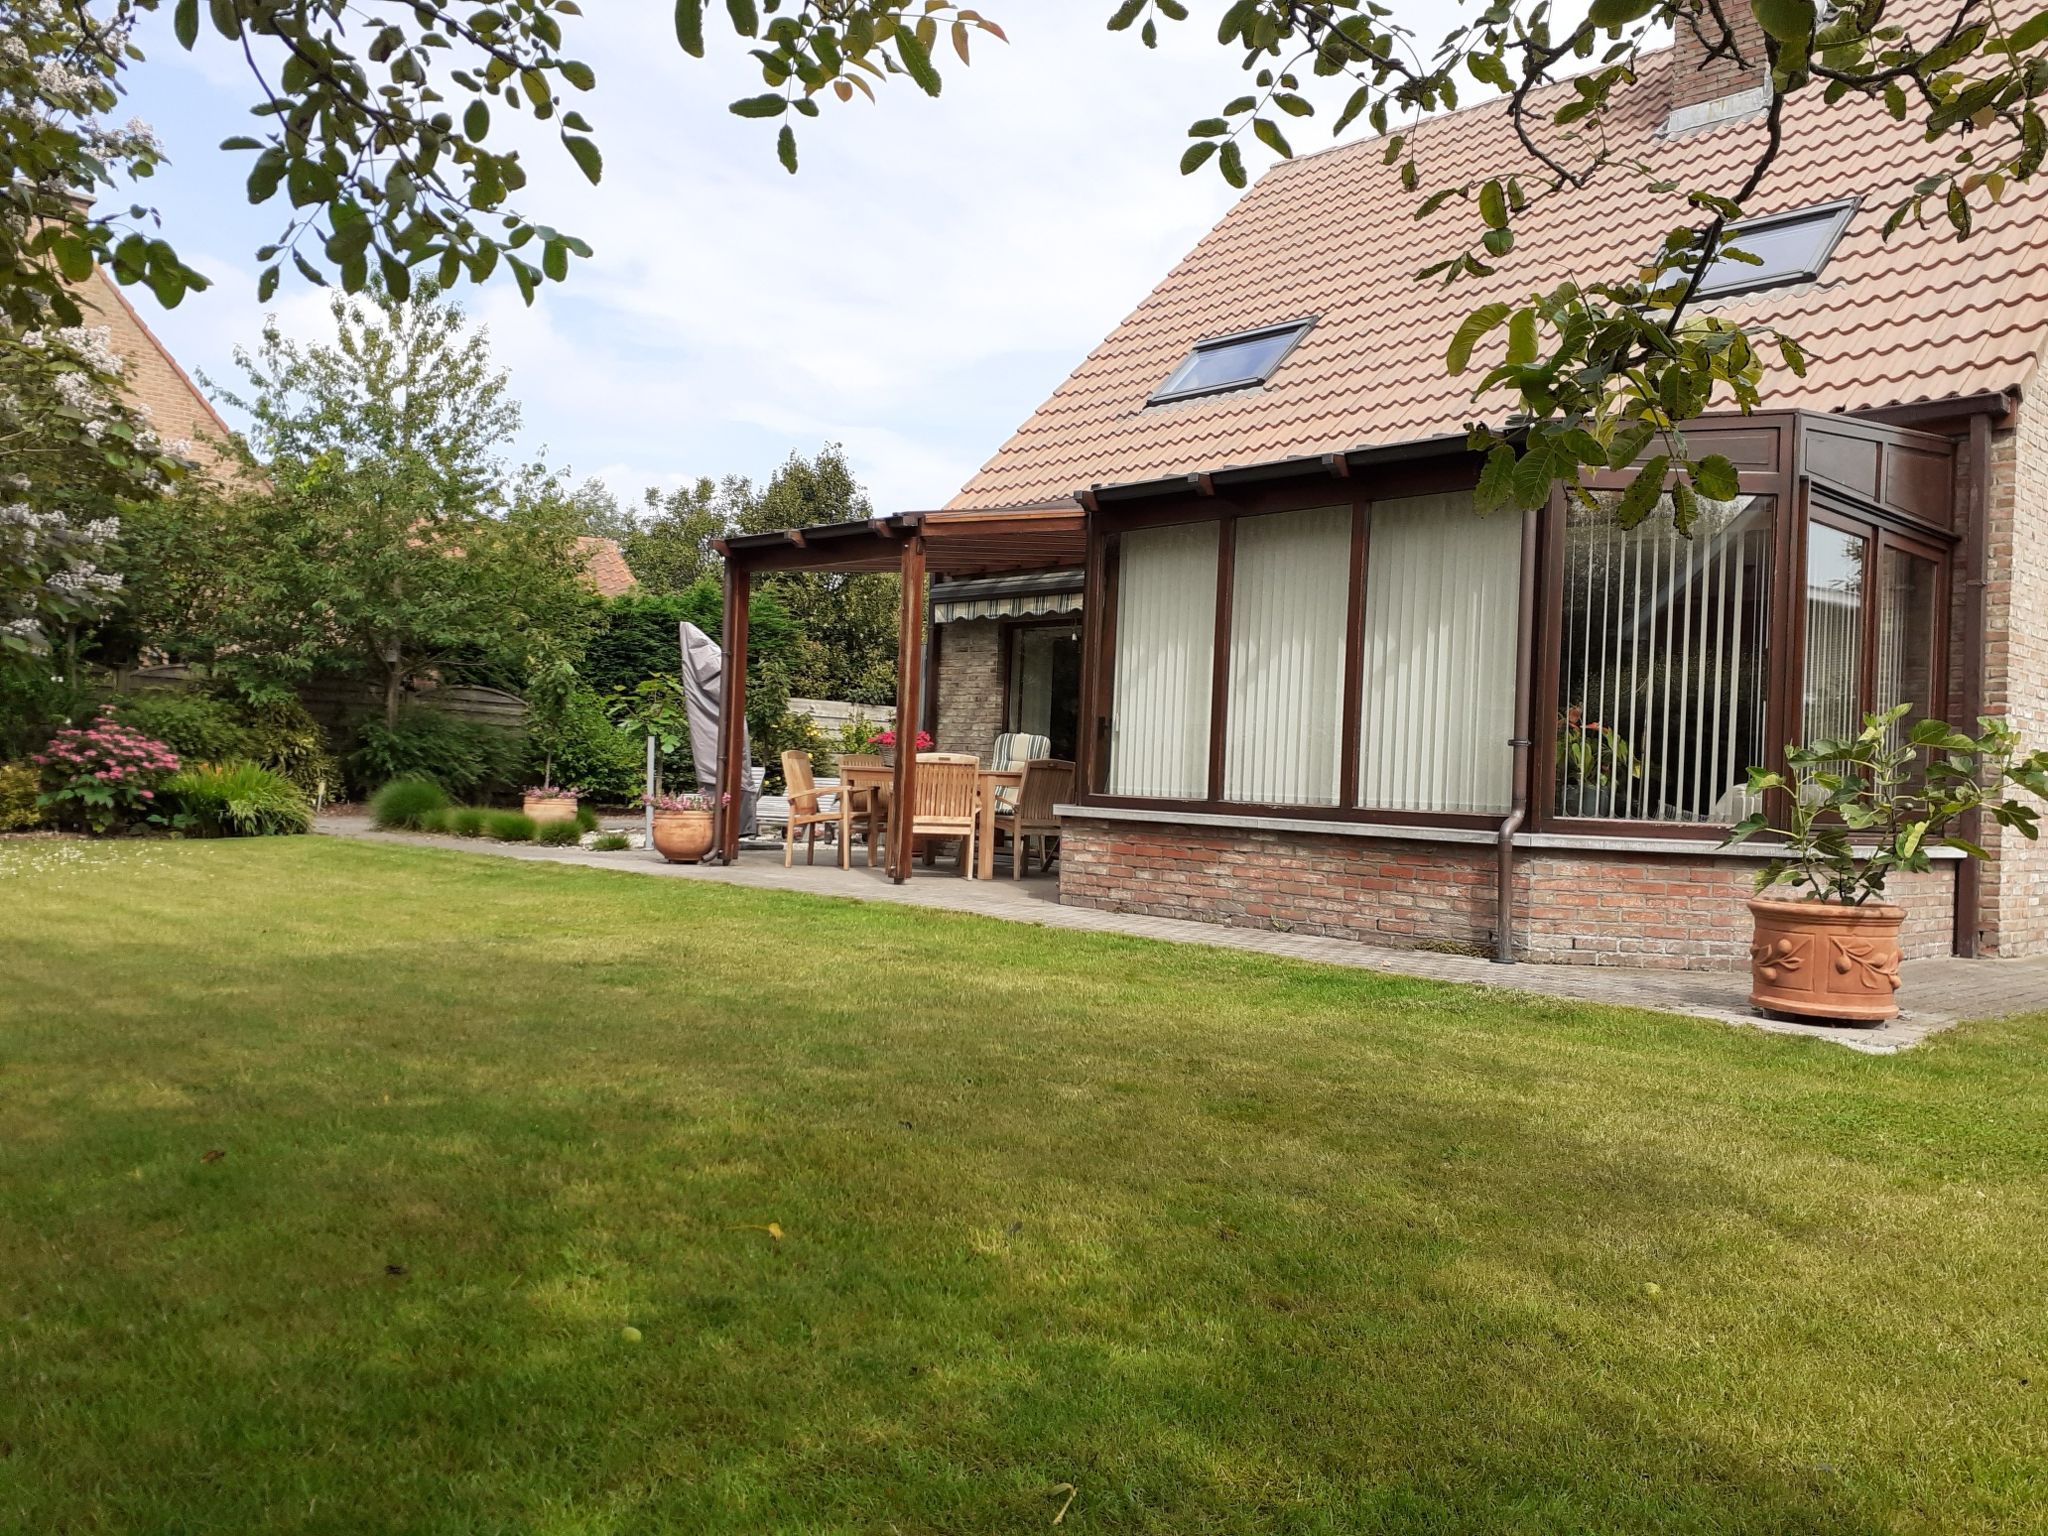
[
  {"x": 732, "y": 712},
  {"x": 909, "y": 686}
]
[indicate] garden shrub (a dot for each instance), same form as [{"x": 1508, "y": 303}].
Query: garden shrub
[
  {"x": 103, "y": 777},
  {"x": 197, "y": 726},
  {"x": 612, "y": 842},
  {"x": 406, "y": 805},
  {"x": 558, "y": 834},
  {"x": 592, "y": 753},
  {"x": 34, "y": 706},
  {"x": 586, "y": 819},
  {"x": 509, "y": 826},
  {"x": 20, "y": 784},
  {"x": 467, "y": 821},
  {"x": 463, "y": 757},
  {"x": 239, "y": 799},
  {"x": 287, "y": 740}
]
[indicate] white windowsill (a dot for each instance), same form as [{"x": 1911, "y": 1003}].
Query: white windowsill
[{"x": 1572, "y": 842}]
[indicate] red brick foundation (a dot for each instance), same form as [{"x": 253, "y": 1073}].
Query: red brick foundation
[{"x": 1680, "y": 911}]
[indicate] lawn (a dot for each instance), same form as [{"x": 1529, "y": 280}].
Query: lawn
[{"x": 357, "y": 1189}]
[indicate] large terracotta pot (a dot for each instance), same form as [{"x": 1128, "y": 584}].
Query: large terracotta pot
[
  {"x": 1824, "y": 961},
  {"x": 551, "y": 807},
  {"x": 683, "y": 837}
]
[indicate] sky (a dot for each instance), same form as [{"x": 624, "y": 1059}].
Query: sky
[{"x": 933, "y": 271}]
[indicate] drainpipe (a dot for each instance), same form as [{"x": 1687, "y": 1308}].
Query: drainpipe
[{"x": 1518, "y": 803}]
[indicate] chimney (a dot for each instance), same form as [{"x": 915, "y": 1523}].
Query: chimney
[{"x": 1708, "y": 89}]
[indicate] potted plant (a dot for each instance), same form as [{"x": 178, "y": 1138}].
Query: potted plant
[
  {"x": 1592, "y": 761},
  {"x": 551, "y": 802},
  {"x": 885, "y": 743},
  {"x": 550, "y": 694},
  {"x": 1856, "y": 811},
  {"x": 684, "y": 828}
]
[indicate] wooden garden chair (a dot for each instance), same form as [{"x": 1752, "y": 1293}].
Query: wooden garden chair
[
  {"x": 807, "y": 812},
  {"x": 945, "y": 807},
  {"x": 1047, "y": 782}
]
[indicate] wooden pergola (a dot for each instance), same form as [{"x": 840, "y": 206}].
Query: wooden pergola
[{"x": 916, "y": 545}]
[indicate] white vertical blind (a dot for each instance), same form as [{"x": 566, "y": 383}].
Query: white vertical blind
[
  {"x": 1906, "y": 627},
  {"x": 1442, "y": 600},
  {"x": 1835, "y": 569},
  {"x": 1289, "y": 588},
  {"x": 1165, "y": 655},
  {"x": 1661, "y": 680}
]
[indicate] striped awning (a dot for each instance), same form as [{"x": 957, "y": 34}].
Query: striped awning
[
  {"x": 1029, "y": 596},
  {"x": 1022, "y": 606}
]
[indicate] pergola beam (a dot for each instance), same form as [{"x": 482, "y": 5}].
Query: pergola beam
[{"x": 909, "y": 685}]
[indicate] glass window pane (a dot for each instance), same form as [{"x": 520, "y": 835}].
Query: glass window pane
[
  {"x": 1223, "y": 364},
  {"x": 1165, "y": 655},
  {"x": 1833, "y": 691},
  {"x": 1661, "y": 676},
  {"x": 1442, "y": 602},
  {"x": 1786, "y": 251},
  {"x": 1045, "y": 684},
  {"x": 1290, "y": 587},
  {"x": 1908, "y": 622}
]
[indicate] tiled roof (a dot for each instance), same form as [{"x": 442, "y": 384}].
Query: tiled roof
[
  {"x": 1918, "y": 317},
  {"x": 604, "y": 566}
]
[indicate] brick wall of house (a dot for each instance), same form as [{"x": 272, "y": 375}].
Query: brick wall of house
[
  {"x": 1673, "y": 912},
  {"x": 970, "y": 686},
  {"x": 1695, "y": 78},
  {"x": 151, "y": 376},
  {"x": 2015, "y": 899}
]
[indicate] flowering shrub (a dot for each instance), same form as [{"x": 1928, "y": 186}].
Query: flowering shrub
[
  {"x": 554, "y": 792},
  {"x": 103, "y": 776},
  {"x": 693, "y": 802},
  {"x": 888, "y": 739}
]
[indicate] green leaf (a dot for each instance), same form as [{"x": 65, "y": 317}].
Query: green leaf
[
  {"x": 1208, "y": 128},
  {"x": 1716, "y": 479},
  {"x": 74, "y": 257},
  {"x": 588, "y": 160},
  {"x": 266, "y": 285},
  {"x": 579, "y": 74},
  {"x": 1493, "y": 205},
  {"x": 1197, "y": 156},
  {"x": 760, "y": 106},
  {"x": 917, "y": 63},
  {"x": 1474, "y": 326},
  {"x": 1642, "y": 493},
  {"x": 785, "y": 148},
  {"x": 1231, "y": 163},
  {"x": 1618, "y": 13},
  {"x": 690, "y": 27},
  {"x": 476, "y": 120},
  {"x": 745, "y": 19},
  {"x": 1125, "y": 14},
  {"x": 1522, "y": 336},
  {"x": 226, "y": 20},
  {"x": 1269, "y": 135},
  {"x": 1789, "y": 21},
  {"x": 1496, "y": 480},
  {"x": 185, "y": 23}
]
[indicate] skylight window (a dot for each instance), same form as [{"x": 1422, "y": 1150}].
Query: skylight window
[
  {"x": 1231, "y": 362},
  {"x": 1789, "y": 247}
]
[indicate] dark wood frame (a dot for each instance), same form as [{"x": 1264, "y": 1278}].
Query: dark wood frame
[{"x": 1767, "y": 449}]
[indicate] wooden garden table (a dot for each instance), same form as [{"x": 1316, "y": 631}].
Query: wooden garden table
[{"x": 992, "y": 779}]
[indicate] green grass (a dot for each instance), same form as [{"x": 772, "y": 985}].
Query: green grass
[{"x": 1225, "y": 1243}]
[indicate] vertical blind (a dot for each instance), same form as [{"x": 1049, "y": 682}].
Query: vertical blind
[
  {"x": 1442, "y": 603},
  {"x": 1835, "y": 564},
  {"x": 1907, "y": 619},
  {"x": 1165, "y": 654},
  {"x": 1661, "y": 678},
  {"x": 1290, "y": 588}
]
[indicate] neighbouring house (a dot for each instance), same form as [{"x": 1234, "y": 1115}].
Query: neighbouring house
[
  {"x": 1232, "y": 567},
  {"x": 152, "y": 379},
  {"x": 604, "y": 566}
]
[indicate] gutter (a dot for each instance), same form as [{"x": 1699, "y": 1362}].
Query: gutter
[
  {"x": 1518, "y": 804},
  {"x": 1976, "y": 540}
]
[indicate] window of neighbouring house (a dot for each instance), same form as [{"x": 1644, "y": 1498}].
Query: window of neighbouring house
[
  {"x": 1231, "y": 362},
  {"x": 1165, "y": 663},
  {"x": 1788, "y": 247},
  {"x": 1290, "y": 588},
  {"x": 1441, "y": 611},
  {"x": 1662, "y": 681}
]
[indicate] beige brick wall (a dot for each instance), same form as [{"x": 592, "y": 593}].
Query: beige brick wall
[
  {"x": 970, "y": 686},
  {"x": 152, "y": 376},
  {"x": 1668, "y": 912},
  {"x": 2015, "y": 901}
]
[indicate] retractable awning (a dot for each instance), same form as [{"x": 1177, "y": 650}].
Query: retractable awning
[{"x": 1007, "y": 597}]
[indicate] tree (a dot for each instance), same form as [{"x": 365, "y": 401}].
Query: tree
[
  {"x": 378, "y": 134},
  {"x": 376, "y": 535},
  {"x": 671, "y": 546}
]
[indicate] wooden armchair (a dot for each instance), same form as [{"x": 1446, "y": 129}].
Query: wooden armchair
[
  {"x": 807, "y": 813},
  {"x": 1047, "y": 782},
  {"x": 944, "y": 802}
]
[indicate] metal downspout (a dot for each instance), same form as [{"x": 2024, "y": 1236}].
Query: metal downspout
[
  {"x": 1976, "y": 539},
  {"x": 1518, "y": 803}
]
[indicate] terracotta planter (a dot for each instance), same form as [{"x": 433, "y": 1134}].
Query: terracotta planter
[
  {"x": 683, "y": 837},
  {"x": 1823, "y": 961},
  {"x": 551, "y": 807}
]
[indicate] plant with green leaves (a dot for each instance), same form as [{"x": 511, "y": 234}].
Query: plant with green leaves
[
  {"x": 1858, "y": 810},
  {"x": 239, "y": 799}
]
